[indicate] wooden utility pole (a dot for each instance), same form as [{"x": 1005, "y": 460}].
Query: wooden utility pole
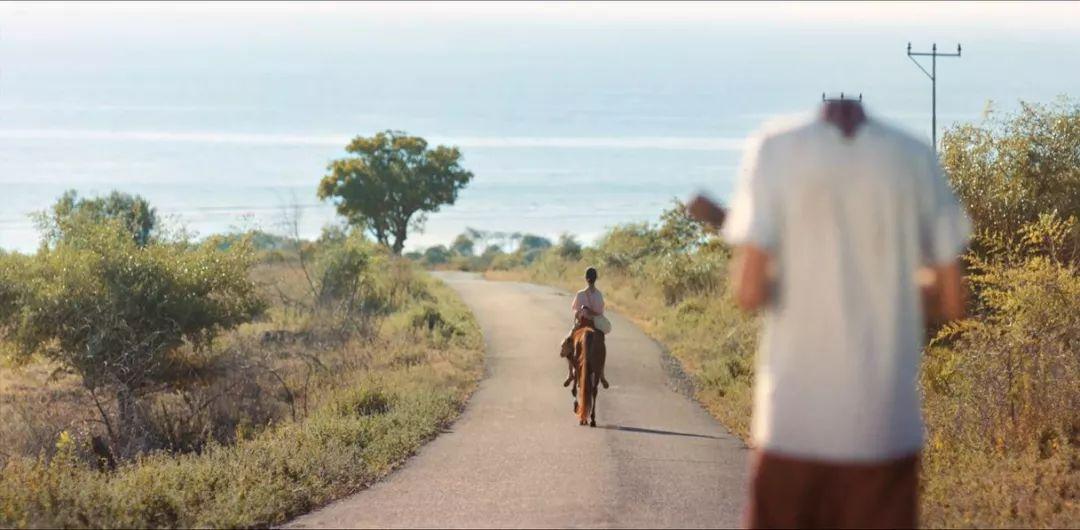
[{"x": 932, "y": 74}]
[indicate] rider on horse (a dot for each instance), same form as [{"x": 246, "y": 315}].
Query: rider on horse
[{"x": 588, "y": 304}]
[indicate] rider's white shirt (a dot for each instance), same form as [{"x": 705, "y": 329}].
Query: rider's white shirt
[
  {"x": 848, "y": 222},
  {"x": 583, "y": 298}
]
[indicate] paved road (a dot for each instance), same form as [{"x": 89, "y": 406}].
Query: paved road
[{"x": 517, "y": 458}]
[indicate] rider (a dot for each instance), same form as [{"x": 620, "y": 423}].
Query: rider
[{"x": 588, "y": 303}]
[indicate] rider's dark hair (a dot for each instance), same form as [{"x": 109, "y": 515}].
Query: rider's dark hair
[{"x": 590, "y": 274}]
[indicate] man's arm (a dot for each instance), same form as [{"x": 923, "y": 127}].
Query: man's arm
[
  {"x": 943, "y": 292},
  {"x": 749, "y": 277},
  {"x": 701, "y": 208}
]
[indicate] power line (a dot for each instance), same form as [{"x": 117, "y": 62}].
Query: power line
[{"x": 932, "y": 74}]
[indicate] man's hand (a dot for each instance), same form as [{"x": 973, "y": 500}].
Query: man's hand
[
  {"x": 943, "y": 293},
  {"x": 703, "y": 209}
]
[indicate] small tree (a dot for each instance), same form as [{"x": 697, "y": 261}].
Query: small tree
[
  {"x": 436, "y": 255},
  {"x": 132, "y": 212},
  {"x": 569, "y": 248},
  {"x": 118, "y": 313},
  {"x": 462, "y": 245},
  {"x": 392, "y": 182},
  {"x": 533, "y": 242}
]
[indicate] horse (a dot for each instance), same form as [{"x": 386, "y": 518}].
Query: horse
[{"x": 589, "y": 356}]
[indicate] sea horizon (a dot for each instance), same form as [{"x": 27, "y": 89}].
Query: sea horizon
[{"x": 569, "y": 125}]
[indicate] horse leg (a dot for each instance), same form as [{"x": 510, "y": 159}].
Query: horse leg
[
  {"x": 570, "y": 371},
  {"x": 595, "y": 391},
  {"x": 602, "y": 360},
  {"x": 573, "y": 377}
]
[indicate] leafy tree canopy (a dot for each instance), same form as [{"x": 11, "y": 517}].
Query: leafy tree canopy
[
  {"x": 462, "y": 245},
  {"x": 392, "y": 182},
  {"x": 132, "y": 212}
]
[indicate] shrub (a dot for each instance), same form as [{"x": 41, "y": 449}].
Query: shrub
[
  {"x": 341, "y": 269},
  {"x": 626, "y": 244},
  {"x": 682, "y": 274},
  {"x": 436, "y": 255},
  {"x": 462, "y": 245},
  {"x": 131, "y": 212},
  {"x": 1010, "y": 169},
  {"x": 1005, "y": 368},
  {"x": 118, "y": 313},
  {"x": 568, "y": 247}
]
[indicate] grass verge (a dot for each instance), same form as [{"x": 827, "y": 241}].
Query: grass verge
[{"x": 417, "y": 375}]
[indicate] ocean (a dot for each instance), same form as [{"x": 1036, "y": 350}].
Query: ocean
[{"x": 572, "y": 119}]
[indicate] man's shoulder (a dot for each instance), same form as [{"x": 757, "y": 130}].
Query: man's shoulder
[
  {"x": 780, "y": 128},
  {"x": 899, "y": 136}
]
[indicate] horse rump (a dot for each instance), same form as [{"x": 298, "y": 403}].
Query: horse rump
[{"x": 590, "y": 360}]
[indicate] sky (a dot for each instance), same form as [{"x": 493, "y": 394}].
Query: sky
[{"x": 213, "y": 110}]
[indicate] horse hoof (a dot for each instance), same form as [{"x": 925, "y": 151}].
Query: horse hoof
[
  {"x": 568, "y": 381},
  {"x": 592, "y": 424},
  {"x": 582, "y": 423},
  {"x": 604, "y": 383}
]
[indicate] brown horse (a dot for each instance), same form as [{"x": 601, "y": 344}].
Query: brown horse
[{"x": 589, "y": 356}]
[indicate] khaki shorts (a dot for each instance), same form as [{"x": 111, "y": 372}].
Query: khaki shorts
[{"x": 788, "y": 492}]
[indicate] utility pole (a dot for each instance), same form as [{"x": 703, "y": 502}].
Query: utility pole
[{"x": 932, "y": 74}]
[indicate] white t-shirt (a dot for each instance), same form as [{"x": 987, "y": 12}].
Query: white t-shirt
[
  {"x": 593, "y": 300},
  {"x": 847, "y": 222}
]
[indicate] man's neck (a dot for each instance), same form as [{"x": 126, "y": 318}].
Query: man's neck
[{"x": 848, "y": 115}]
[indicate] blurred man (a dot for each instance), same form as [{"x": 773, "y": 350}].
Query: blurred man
[{"x": 833, "y": 220}]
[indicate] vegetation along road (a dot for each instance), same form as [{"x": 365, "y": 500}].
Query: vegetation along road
[{"x": 517, "y": 458}]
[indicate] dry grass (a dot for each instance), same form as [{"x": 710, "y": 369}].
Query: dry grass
[{"x": 305, "y": 408}]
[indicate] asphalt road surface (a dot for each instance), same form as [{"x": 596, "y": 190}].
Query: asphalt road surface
[{"x": 518, "y": 458}]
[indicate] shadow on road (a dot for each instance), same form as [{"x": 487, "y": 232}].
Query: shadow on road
[{"x": 655, "y": 431}]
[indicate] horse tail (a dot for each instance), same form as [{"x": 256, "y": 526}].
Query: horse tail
[{"x": 584, "y": 377}]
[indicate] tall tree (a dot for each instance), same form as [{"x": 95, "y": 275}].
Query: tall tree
[{"x": 392, "y": 182}]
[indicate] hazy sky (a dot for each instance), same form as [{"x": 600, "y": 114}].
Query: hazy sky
[
  {"x": 42, "y": 22},
  {"x": 178, "y": 100},
  {"x": 74, "y": 37},
  {"x": 1043, "y": 15}
]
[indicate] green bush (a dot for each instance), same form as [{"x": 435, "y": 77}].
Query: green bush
[
  {"x": 341, "y": 270},
  {"x": 131, "y": 212},
  {"x": 436, "y": 255},
  {"x": 120, "y": 314},
  {"x": 1010, "y": 169},
  {"x": 1005, "y": 368},
  {"x": 627, "y": 244},
  {"x": 569, "y": 248}
]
